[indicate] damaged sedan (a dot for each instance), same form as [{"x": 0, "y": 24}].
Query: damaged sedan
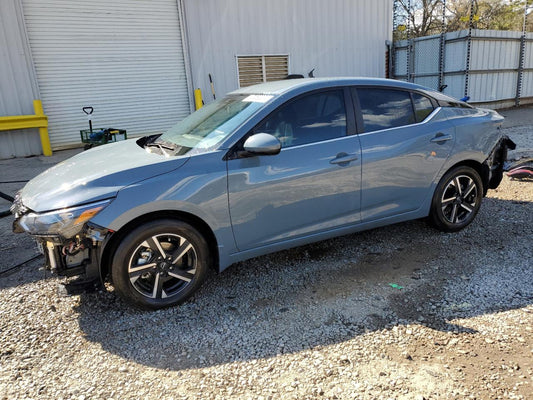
[{"x": 266, "y": 168}]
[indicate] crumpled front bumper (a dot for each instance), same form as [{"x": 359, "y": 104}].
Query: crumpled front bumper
[
  {"x": 75, "y": 256},
  {"x": 74, "y": 251},
  {"x": 78, "y": 256}
]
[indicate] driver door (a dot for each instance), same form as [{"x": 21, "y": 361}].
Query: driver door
[{"x": 311, "y": 186}]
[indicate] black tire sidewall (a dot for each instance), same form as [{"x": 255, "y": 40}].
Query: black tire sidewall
[
  {"x": 121, "y": 257},
  {"x": 436, "y": 216}
]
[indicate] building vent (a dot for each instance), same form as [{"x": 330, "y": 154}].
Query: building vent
[{"x": 258, "y": 69}]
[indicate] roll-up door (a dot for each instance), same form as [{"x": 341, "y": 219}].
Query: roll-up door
[{"x": 124, "y": 58}]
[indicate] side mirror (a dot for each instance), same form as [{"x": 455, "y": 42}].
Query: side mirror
[{"x": 262, "y": 144}]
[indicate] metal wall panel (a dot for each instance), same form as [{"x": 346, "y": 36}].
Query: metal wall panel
[
  {"x": 336, "y": 38},
  {"x": 494, "y": 62},
  {"x": 455, "y": 56},
  {"x": 492, "y": 86},
  {"x": 497, "y": 51},
  {"x": 495, "y": 54},
  {"x": 18, "y": 86},
  {"x": 124, "y": 58},
  {"x": 527, "y": 79}
]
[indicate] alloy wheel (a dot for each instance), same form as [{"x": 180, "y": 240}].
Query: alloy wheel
[
  {"x": 459, "y": 199},
  {"x": 162, "y": 266}
]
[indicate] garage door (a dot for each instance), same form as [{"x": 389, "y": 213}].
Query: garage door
[{"x": 124, "y": 58}]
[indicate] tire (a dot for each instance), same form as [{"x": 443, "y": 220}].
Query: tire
[
  {"x": 456, "y": 200},
  {"x": 160, "y": 264}
]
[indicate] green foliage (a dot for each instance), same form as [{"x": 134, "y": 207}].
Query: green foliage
[{"x": 426, "y": 16}]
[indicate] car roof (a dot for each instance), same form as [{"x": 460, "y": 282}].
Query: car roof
[{"x": 287, "y": 85}]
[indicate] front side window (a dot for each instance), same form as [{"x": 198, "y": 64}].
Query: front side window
[
  {"x": 308, "y": 119},
  {"x": 385, "y": 108}
]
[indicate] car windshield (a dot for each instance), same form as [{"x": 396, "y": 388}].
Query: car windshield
[{"x": 211, "y": 124}]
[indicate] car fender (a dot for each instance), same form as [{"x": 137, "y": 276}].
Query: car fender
[{"x": 203, "y": 196}]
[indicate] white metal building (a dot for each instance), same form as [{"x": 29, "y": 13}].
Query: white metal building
[{"x": 137, "y": 61}]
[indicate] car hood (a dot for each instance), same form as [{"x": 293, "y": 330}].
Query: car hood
[{"x": 95, "y": 175}]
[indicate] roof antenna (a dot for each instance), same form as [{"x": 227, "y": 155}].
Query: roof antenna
[{"x": 310, "y": 74}]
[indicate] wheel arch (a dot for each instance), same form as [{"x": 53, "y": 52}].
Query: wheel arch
[
  {"x": 111, "y": 245},
  {"x": 481, "y": 169}
]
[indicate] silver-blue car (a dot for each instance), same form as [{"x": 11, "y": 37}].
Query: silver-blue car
[{"x": 266, "y": 168}]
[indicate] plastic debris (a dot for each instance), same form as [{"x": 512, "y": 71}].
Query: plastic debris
[{"x": 395, "y": 286}]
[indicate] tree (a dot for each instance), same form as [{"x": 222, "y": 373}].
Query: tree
[
  {"x": 424, "y": 17},
  {"x": 488, "y": 14}
]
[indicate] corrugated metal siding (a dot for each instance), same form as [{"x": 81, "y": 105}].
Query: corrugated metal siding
[
  {"x": 527, "y": 85},
  {"x": 492, "y": 86},
  {"x": 124, "y": 58},
  {"x": 491, "y": 53},
  {"x": 493, "y": 64},
  {"x": 337, "y": 38},
  {"x": 18, "y": 86},
  {"x": 455, "y": 56}
]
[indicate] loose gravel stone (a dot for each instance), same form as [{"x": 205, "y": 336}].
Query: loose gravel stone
[{"x": 319, "y": 321}]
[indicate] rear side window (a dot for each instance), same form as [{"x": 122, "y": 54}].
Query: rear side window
[
  {"x": 423, "y": 107},
  {"x": 308, "y": 119},
  {"x": 385, "y": 108}
]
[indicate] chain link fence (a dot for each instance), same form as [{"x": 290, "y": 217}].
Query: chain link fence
[{"x": 493, "y": 67}]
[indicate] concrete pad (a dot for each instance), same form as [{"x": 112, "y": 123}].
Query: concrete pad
[{"x": 518, "y": 116}]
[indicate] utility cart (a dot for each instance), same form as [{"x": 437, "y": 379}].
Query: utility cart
[{"x": 95, "y": 137}]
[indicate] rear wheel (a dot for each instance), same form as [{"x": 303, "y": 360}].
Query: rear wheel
[
  {"x": 160, "y": 263},
  {"x": 457, "y": 199}
]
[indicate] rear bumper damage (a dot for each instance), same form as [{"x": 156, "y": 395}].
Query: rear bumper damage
[{"x": 494, "y": 164}]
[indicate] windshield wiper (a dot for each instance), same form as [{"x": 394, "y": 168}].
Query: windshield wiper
[{"x": 162, "y": 145}]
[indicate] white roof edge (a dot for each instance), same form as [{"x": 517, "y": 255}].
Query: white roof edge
[{"x": 279, "y": 87}]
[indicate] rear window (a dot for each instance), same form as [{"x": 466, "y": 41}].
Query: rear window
[
  {"x": 385, "y": 108},
  {"x": 423, "y": 107}
]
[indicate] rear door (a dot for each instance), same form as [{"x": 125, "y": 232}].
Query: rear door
[
  {"x": 312, "y": 185},
  {"x": 404, "y": 144}
]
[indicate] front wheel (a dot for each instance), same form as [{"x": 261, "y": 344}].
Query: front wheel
[
  {"x": 456, "y": 200},
  {"x": 160, "y": 263}
]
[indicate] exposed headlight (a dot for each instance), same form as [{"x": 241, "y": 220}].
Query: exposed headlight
[{"x": 66, "y": 222}]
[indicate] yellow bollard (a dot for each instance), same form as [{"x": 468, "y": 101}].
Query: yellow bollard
[
  {"x": 43, "y": 131},
  {"x": 198, "y": 102}
]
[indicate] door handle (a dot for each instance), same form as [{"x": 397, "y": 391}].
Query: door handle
[
  {"x": 441, "y": 138},
  {"x": 344, "y": 158}
]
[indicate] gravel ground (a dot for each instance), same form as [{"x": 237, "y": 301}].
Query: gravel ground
[{"x": 319, "y": 321}]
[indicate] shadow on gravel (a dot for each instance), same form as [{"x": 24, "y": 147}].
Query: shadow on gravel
[
  {"x": 15, "y": 249},
  {"x": 330, "y": 292}
]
